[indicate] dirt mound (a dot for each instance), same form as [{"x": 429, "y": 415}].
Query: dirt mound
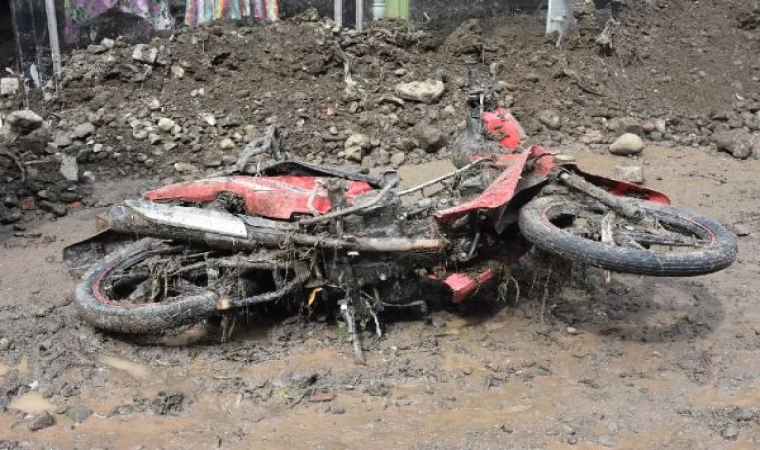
[{"x": 186, "y": 104}]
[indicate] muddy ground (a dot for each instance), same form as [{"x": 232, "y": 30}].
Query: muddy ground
[{"x": 646, "y": 363}]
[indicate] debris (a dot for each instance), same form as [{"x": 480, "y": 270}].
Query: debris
[
  {"x": 227, "y": 144},
  {"x": 82, "y": 131},
  {"x": 9, "y": 86},
  {"x": 40, "y": 421},
  {"x": 397, "y": 160},
  {"x": 322, "y": 396},
  {"x": 429, "y": 91},
  {"x": 23, "y": 122},
  {"x": 550, "y": 118},
  {"x": 730, "y": 432},
  {"x": 166, "y": 124},
  {"x": 741, "y": 229},
  {"x": 355, "y": 146},
  {"x": 69, "y": 168},
  {"x": 183, "y": 167},
  {"x": 622, "y": 125},
  {"x": 78, "y": 413},
  {"x": 145, "y": 54},
  {"x": 739, "y": 143},
  {"x": 627, "y": 144},
  {"x": 430, "y": 138},
  {"x": 630, "y": 173}
]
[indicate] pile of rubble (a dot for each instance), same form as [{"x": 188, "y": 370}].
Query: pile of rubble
[{"x": 183, "y": 105}]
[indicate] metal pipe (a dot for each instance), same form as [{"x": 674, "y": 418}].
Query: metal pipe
[
  {"x": 351, "y": 210},
  {"x": 442, "y": 178}
]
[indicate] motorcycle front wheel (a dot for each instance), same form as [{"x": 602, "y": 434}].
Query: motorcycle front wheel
[{"x": 668, "y": 242}]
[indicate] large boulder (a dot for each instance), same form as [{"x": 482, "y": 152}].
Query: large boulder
[
  {"x": 739, "y": 143},
  {"x": 23, "y": 122},
  {"x": 430, "y": 138},
  {"x": 627, "y": 144}
]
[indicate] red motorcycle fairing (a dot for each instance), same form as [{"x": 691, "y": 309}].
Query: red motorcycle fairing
[
  {"x": 277, "y": 197},
  {"x": 503, "y": 126}
]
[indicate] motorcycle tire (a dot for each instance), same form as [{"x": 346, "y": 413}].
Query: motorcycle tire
[
  {"x": 541, "y": 221},
  {"x": 106, "y": 313}
]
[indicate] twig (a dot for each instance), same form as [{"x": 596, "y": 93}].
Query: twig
[
  {"x": 20, "y": 166},
  {"x": 546, "y": 293}
]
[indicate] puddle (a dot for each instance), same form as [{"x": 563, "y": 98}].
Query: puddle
[
  {"x": 31, "y": 402},
  {"x": 133, "y": 369}
]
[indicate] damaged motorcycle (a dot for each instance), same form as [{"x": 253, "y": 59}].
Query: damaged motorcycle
[{"x": 281, "y": 230}]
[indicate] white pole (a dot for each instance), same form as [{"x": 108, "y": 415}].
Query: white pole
[
  {"x": 378, "y": 9},
  {"x": 55, "y": 45},
  {"x": 359, "y": 15},
  {"x": 338, "y": 12}
]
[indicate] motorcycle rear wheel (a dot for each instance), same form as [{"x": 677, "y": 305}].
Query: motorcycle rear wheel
[
  {"x": 153, "y": 286},
  {"x": 103, "y": 310},
  {"x": 670, "y": 242}
]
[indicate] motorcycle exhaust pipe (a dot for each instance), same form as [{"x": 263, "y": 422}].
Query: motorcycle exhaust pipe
[{"x": 223, "y": 230}]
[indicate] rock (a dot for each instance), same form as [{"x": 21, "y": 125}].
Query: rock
[
  {"x": 741, "y": 229},
  {"x": 648, "y": 127},
  {"x": 12, "y": 216},
  {"x": 592, "y": 137},
  {"x": 62, "y": 140},
  {"x": 96, "y": 49},
  {"x": 212, "y": 161},
  {"x": 550, "y": 119},
  {"x": 69, "y": 168},
  {"x": 97, "y": 148},
  {"x": 739, "y": 143},
  {"x": 429, "y": 91},
  {"x": 622, "y": 125},
  {"x": 630, "y": 173},
  {"x": 23, "y": 122},
  {"x": 183, "y": 167},
  {"x": 166, "y": 124},
  {"x": 40, "y": 421},
  {"x": 78, "y": 413},
  {"x": 145, "y": 54},
  {"x": 730, "y": 432},
  {"x": 209, "y": 119},
  {"x": 9, "y": 86},
  {"x": 57, "y": 209},
  {"x": 154, "y": 138},
  {"x": 108, "y": 43},
  {"x": 154, "y": 105},
  {"x": 227, "y": 144},
  {"x": 299, "y": 379},
  {"x": 627, "y": 144},
  {"x": 397, "y": 160},
  {"x": 573, "y": 331},
  {"x": 82, "y": 130},
  {"x": 355, "y": 146},
  {"x": 430, "y": 138},
  {"x": 177, "y": 71}
]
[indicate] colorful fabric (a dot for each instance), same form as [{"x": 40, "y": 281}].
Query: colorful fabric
[
  {"x": 80, "y": 12},
  {"x": 201, "y": 11}
]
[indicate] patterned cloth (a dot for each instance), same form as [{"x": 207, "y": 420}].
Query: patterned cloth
[
  {"x": 79, "y": 12},
  {"x": 200, "y": 11}
]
